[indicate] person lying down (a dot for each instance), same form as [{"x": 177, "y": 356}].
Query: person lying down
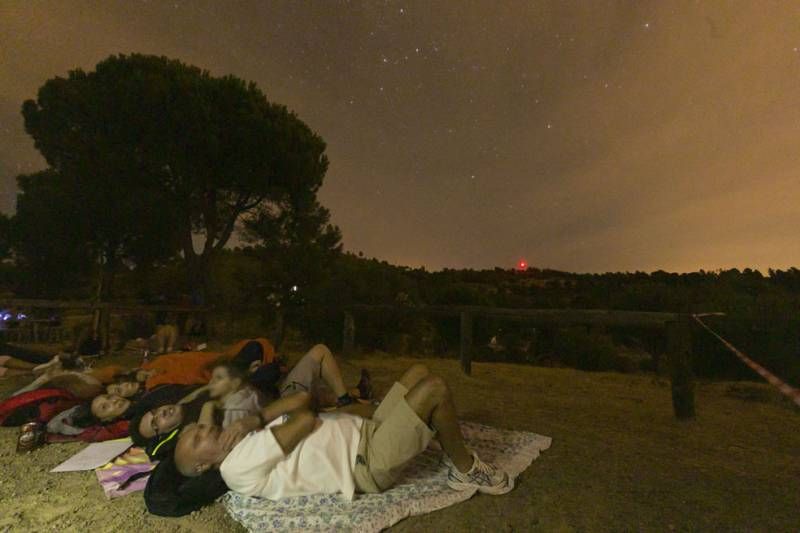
[
  {"x": 234, "y": 404},
  {"x": 230, "y": 396},
  {"x": 290, "y": 451}
]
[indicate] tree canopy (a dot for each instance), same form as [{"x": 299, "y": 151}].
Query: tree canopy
[{"x": 151, "y": 143}]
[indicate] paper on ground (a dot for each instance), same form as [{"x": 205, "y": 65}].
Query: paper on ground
[{"x": 94, "y": 455}]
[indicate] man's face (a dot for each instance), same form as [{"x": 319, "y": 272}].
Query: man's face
[
  {"x": 198, "y": 449},
  {"x": 161, "y": 420}
]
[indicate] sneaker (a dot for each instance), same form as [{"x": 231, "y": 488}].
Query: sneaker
[
  {"x": 482, "y": 476},
  {"x": 365, "y": 385}
]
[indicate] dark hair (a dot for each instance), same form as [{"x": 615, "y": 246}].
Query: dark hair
[
  {"x": 129, "y": 377},
  {"x": 133, "y": 431},
  {"x": 162, "y": 446},
  {"x": 250, "y": 352},
  {"x": 233, "y": 369},
  {"x": 126, "y": 377},
  {"x": 83, "y": 417}
]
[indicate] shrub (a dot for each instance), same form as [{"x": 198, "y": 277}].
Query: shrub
[{"x": 587, "y": 351}]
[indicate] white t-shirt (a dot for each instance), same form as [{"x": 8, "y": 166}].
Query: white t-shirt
[
  {"x": 322, "y": 463},
  {"x": 240, "y": 404}
]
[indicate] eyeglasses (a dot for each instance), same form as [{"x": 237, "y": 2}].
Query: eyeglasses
[{"x": 153, "y": 424}]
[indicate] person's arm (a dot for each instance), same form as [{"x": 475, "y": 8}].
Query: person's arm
[
  {"x": 44, "y": 367},
  {"x": 207, "y": 413},
  {"x": 285, "y": 405},
  {"x": 35, "y": 384},
  {"x": 194, "y": 394},
  {"x": 236, "y": 431},
  {"x": 364, "y": 410},
  {"x": 299, "y": 426}
]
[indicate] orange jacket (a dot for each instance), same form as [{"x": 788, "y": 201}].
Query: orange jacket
[{"x": 194, "y": 368}]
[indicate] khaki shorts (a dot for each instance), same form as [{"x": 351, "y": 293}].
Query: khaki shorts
[
  {"x": 389, "y": 441},
  {"x": 305, "y": 377}
]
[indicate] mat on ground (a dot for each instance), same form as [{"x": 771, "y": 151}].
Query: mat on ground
[{"x": 423, "y": 489}]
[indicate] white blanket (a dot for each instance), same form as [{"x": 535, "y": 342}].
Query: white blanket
[{"x": 423, "y": 489}]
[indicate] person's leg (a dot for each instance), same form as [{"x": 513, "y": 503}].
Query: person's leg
[
  {"x": 414, "y": 375},
  {"x": 7, "y": 367},
  {"x": 161, "y": 339},
  {"x": 16, "y": 364},
  {"x": 172, "y": 337},
  {"x": 8, "y": 372},
  {"x": 430, "y": 398},
  {"x": 329, "y": 370},
  {"x": 318, "y": 363},
  {"x": 23, "y": 354}
]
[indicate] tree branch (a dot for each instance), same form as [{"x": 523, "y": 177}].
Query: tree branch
[{"x": 240, "y": 207}]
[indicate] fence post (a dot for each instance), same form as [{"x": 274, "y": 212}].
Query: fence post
[
  {"x": 679, "y": 353},
  {"x": 349, "y": 333},
  {"x": 466, "y": 343}
]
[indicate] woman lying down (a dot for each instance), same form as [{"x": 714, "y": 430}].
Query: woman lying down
[{"x": 92, "y": 404}]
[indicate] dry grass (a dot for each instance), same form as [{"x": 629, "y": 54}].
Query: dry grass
[{"x": 619, "y": 460}]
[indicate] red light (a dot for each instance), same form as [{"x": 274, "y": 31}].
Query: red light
[{"x": 522, "y": 265}]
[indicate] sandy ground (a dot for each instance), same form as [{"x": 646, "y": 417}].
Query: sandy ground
[{"x": 619, "y": 460}]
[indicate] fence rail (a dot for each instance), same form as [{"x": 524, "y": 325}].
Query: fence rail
[{"x": 677, "y": 327}]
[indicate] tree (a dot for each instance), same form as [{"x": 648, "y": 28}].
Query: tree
[
  {"x": 67, "y": 226},
  {"x": 5, "y": 236},
  {"x": 47, "y": 239},
  {"x": 211, "y": 148},
  {"x": 296, "y": 242}
]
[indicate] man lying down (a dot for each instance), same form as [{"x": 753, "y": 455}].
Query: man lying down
[{"x": 293, "y": 452}]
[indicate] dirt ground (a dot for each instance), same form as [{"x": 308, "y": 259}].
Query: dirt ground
[{"x": 619, "y": 460}]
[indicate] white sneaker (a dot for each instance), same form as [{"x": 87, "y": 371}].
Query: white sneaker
[{"x": 485, "y": 477}]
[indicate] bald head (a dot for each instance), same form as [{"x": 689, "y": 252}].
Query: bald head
[{"x": 199, "y": 449}]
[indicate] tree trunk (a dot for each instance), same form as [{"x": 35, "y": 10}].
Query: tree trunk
[{"x": 197, "y": 270}]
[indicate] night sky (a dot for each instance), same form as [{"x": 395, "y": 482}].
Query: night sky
[{"x": 582, "y": 136}]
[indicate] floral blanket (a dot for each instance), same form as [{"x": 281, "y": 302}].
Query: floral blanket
[{"x": 423, "y": 489}]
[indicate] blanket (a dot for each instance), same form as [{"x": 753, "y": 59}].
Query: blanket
[
  {"x": 125, "y": 474},
  {"x": 422, "y": 489}
]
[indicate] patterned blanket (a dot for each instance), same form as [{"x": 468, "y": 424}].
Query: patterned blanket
[
  {"x": 423, "y": 489},
  {"x": 125, "y": 474}
]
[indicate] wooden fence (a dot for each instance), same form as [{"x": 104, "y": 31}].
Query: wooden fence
[
  {"x": 676, "y": 327},
  {"x": 33, "y": 330}
]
